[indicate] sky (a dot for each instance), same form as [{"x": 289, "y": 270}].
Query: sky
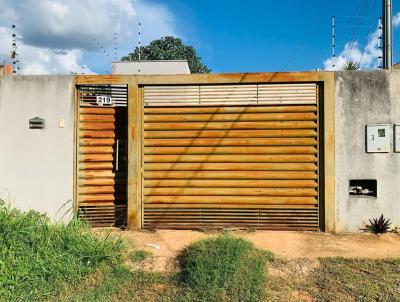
[{"x": 85, "y": 36}]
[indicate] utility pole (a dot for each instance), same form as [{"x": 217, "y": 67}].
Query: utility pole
[{"x": 387, "y": 34}]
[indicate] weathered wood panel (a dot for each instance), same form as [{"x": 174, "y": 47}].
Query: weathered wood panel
[{"x": 230, "y": 166}]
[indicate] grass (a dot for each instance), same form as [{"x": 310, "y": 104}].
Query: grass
[
  {"x": 37, "y": 258},
  {"x": 334, "y": 279},
  {"x": 41, "y": 261},
  {"x": 225, "y": 268},
  {"x": 139, "y": 255},
  {"x": 115, "y": 284}
]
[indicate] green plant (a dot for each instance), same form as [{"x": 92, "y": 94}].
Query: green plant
[
  {"x": 37, "y": 257},
  {"x": 379, "y": 225},
  {"x": 350, "y": 65},
  {"x": 139, "y": 255},
  {"x": 225, "y": 268}
]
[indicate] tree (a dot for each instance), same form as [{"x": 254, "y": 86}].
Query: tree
[
  {"x": 169, "y": 48},
  {"x": 351, "y": 65}
]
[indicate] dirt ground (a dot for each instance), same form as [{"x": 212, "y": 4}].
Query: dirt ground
[{"x": 284, "y": 244}]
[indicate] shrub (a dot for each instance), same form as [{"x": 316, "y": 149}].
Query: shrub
[
  {"x": 225, "y": 268},
  {"x": 379, "y": 225},
  {"x": 38, "y": 257}
]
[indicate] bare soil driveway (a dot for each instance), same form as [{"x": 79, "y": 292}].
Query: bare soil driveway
[{"x": 283, "y": 244}]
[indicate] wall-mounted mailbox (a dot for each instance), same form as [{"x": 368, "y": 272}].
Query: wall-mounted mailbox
[
  {"x": 363, "y": 188},
  {"x": 36, "y": 123},
  {"x": 378, "y": 138}
]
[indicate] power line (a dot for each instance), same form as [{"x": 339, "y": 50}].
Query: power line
[
  {"x": 366, "y": 40},
  {"x": 358, "y": 24}
]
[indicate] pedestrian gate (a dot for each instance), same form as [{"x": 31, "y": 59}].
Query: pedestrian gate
[{"x": 101, "y": 154}]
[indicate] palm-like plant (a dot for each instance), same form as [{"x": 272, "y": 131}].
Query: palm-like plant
[
  {"x": 379, "y": 225},
  {"x": 351, "y": 65}
]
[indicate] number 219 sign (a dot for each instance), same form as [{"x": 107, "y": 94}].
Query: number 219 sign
[{"x": 102, "y": 100}]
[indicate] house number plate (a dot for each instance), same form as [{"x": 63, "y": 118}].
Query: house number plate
[{"x": 102, "y": 100}]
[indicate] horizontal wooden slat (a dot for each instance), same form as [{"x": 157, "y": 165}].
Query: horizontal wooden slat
[
  {"x": 265, "y": 183},
  {"x": 97, "y": 110},
  {"x": 300, "y": 192},
  {"x": 96, "y": 174},
  {"x": 230, "y": 133},
  {"x": 96, "y": 142},
  {"x": 95, "y": 157},
  {"x": 206, "y": 118},
  {"x": 254, "y": 200},
  {"x": 96, "y": 126},
  {"x": 231, "y": 125},
  {"x": 228, "y": 109},
  {"x": 249, "y": 167},
  {"x": 231, "y": 207},
  {"x": 100, "y": 197},
  {"x": 97, "y": 190},
  {"x": 96, "y": 134},
  {"x": 211, "y": 158},
  {"x": 231, "y": 142},
  {"x": 96, "y": 166},
  {"x": 229, "y": 175},
  {"x": 97, "y": 182},
  {"x": 231, "y": 150},
  {"x": 96, "y": 150},
  {"x": 96, "y": 118}
]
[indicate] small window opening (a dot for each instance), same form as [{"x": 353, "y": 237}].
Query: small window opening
[{"x": 363, "y": 187}]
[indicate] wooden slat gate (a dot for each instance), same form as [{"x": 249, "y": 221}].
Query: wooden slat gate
[
  {"x": 231, "y": 156},
  {"x": 101, "y": 155}
]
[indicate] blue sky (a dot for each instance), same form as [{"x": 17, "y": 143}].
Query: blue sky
[
  {"x": 230, "y": 36},
  {"x": 237, "y": 36}
]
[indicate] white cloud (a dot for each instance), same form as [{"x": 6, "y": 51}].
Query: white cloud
[
  {"x": 58, "y": 36},
  {"x": 396, "y": 20},
  {"x": 354, "y": 51},
  {"x": 366, "y": 55},
  {"x": 42, "y": 60}
]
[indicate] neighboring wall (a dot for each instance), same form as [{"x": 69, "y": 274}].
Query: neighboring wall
[
  {"x": 364, "y": 98},
  {"x": 36, "y": 166}
]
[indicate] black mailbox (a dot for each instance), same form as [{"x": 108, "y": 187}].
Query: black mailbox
[{"x": 36, "y": 123}]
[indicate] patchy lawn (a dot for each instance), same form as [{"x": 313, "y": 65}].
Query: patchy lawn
[
  {"x": 41, "y": 261},
  {"x": 295, "y": 279},
  {"x": 334, "y": 279}
]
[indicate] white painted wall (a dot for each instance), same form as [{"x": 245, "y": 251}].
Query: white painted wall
[
  {"x": 363, "y": 98},
  {"x": 151, "y": 67},
  {"x": 36, "y": 166}
]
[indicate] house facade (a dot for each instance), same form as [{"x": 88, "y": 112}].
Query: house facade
[{"x": 295, "y": 151}]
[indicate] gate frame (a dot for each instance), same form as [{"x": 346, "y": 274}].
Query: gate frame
[{"x": 135, "y": 127}]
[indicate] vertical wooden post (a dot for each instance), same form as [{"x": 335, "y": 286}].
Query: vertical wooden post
[
  {"x": 329, "y": 128},
  {"x": 134, "y": 206}
]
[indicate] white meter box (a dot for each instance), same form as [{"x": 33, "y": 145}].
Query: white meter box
[
  {"x": 397, "y": 138},
  {"x": 378, "y": 138}
]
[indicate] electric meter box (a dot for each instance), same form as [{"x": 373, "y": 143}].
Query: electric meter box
[
  {"x": 397, "y": 138},
  {"x": 378, "y": 138}
]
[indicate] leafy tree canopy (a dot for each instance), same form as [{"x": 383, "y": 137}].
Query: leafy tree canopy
[{"x": 169, "y": 48}]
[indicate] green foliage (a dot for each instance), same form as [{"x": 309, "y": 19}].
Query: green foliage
[
  {"x": 224, "y": 269},
  {"x": 350, "y": 65},
  {"x": 364, "y": 280},
  {"x": 115, "y": 284},
  {"x": 379, "y": 225},
  {"x": 139, "y": 255},
  {"x": 169, "y": 48},
  {"x": 38, "y": 257}
]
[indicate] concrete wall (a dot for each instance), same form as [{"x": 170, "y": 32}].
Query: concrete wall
[
  {"x": 36, "y": 166},
  {"x": 363, "y": 98},
  {"x": 151, "y": 67}
]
